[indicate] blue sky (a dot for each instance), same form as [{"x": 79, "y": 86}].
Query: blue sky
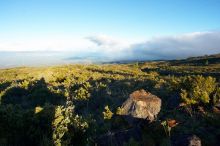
[
  {"x": 126, "y": 18},
  {"x": 57, "y": 24}
]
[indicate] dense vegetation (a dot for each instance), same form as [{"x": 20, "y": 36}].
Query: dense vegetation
[{"x": 75, "y": 104}]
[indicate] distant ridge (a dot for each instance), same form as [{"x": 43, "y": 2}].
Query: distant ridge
[{"x": 200, "y": 60}]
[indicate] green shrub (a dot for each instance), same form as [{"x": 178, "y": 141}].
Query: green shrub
[
  {"x": 197, "y": 89},
  {"x": 81, "y": 91},
  {"x": 67, "y": 126}
]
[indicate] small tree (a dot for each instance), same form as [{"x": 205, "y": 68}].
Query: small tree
[
  {"x": 136, "y": 65},
  {"x": 206, "y": 62}
]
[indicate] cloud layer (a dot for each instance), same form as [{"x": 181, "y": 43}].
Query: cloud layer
[
  {"x": 182, "y": 46},
  {"x": 168, "y": 47}
]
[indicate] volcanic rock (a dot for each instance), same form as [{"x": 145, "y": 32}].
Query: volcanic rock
[{"x": 141, "y": 105}]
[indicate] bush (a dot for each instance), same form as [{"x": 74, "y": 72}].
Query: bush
[
  {"x": 67, "y": 126},
  {"x": 81, "y": 91},
  {"x": 197, "y": 89}
]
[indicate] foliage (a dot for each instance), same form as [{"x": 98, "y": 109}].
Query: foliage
[
  {"x": 207, "y": 62},
  {"x": 81, "y": 90},
  {"x": 107, "y": 114},
  {"x": 197, "y": 89},
  {"x": 24, "y": 84},
  {"x": 38, "y": 109},
  {"x": 119, "y": 111},
  {"x": 216, "y": 96},
  {"x": 63, "y": 105},
  {"x": 66, "y": 126},
  {"x": 166, "y": 127}
]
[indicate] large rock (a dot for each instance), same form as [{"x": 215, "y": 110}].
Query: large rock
[{"x": 141, "y": 105}]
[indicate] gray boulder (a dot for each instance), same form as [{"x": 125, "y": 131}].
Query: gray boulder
[{"x": 141, "y": 105}]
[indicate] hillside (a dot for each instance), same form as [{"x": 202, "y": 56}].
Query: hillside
[
  {"x": 85, "y": 104},
  {"x": 201, "y": 60},
  {"x": 203, "y": 65}
]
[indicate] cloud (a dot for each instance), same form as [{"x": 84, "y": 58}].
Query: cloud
[
  {"x": 51, "y": 43},
  {"x": 167, "y": 47},
  {"x": 103, "y": 40},
  {"x": 110, "y": 47},
  {"x": 109, "y": 42},
  {"x": 176, "y": 47}
]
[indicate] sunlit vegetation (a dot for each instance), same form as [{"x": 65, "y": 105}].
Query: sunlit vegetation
[
  {"x": 75, "y": 104},
  {"x": 198, "y": 90}
]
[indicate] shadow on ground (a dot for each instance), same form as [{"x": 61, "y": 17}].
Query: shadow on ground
[{"x": 27, "y": 114}]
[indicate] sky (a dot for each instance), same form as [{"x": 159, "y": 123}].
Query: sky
[{"x": 134, "y": 29}]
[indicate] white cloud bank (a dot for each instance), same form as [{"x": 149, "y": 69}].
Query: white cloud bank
[
  {"x": 169, "y": 47},
  {"x": 186, "y": 45},
  {"x": 52, "y": 43}
]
